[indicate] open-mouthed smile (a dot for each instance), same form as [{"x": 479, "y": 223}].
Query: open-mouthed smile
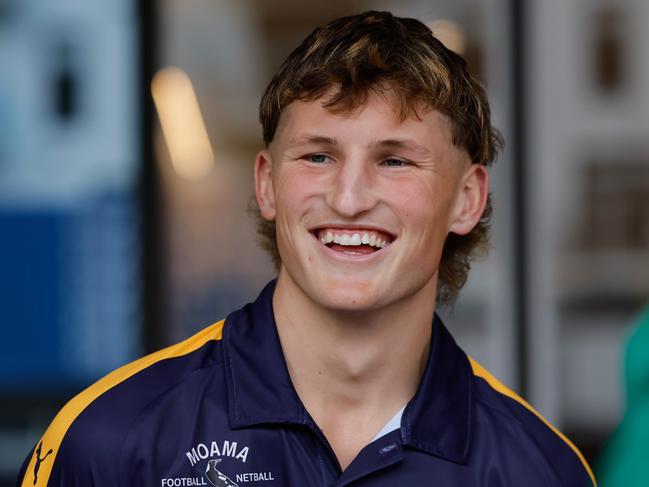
[{"x": 354, "y": 241}]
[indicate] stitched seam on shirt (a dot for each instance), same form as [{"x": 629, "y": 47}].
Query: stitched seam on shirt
[
  {"x": 406, "y": 432},
  {"x": 234, "y": 403},
  {"x": 318, "y": 448},
  {"x": 469, "y": 434},
  {"x": 529, "y": 435},
  {"x": 322, "y": 467}
]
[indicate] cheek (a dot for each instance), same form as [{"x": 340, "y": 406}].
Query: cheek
[
  {"x": 414, "y": 202},
  {"x": 294, "y": 197},
  {"x": 295, "y": 188},
  {"x": 424, "y": 212},
  {"x": 291, "y": 199}
]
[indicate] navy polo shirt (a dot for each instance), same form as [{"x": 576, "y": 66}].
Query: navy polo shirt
[{"x": 219, "y": 409}]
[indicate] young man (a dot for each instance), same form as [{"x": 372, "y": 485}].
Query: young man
[{"x": 373, "y": 197}]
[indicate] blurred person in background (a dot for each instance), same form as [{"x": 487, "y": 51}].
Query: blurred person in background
[
  {"x": 624, "y": 460},
  {"x": 373, "y": 201}
]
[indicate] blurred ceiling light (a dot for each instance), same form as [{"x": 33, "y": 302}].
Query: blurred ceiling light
[
  {"x": 450, "y": 34},
  {"x": 182, "y": 124}
]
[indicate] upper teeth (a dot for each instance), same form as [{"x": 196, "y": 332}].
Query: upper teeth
[{"x": 366, "y": 238}]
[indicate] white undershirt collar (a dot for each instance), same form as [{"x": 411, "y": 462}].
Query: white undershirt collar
[{"x": 394, "y": 423}]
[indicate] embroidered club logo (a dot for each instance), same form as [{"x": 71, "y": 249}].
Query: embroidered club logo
[
  {"x": 216, "y": 477},
  {"x": 230, "y": 456}
]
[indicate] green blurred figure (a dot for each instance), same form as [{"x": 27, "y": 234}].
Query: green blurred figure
[{"x": 625, "y": 460}]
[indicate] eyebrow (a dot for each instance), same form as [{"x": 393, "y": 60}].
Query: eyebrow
[
  {"x": 312, "y": 139},
  {"x": 407, "y": 144}
]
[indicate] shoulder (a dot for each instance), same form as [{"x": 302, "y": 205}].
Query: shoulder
[
  {"x": 82, "y": 445},
  {"x": 531, "y": 442}
]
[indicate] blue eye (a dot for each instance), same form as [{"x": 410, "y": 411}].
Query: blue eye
[
  {"x": 394, "y": 162},
  {"x": 317, "y": 158}
]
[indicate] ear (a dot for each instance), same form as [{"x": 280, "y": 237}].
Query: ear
[
  {"x": 264, "y": 185},
  {"x": 471, "y": 200}
]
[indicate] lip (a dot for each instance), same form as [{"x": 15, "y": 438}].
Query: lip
[
  {"x": 353, "y": 228},
  {"x": 349, "y": 258},
  {"x": 352, "y": 258}
]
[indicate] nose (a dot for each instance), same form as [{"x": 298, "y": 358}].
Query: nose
[{"x": 352, "y": 191}]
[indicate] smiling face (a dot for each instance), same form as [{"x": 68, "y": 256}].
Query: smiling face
[{"x": 363, "y": 201}]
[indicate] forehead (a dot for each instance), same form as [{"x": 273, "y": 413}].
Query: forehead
[{"x": 377, "y": 118}]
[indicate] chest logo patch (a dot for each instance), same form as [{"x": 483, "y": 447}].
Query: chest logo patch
[{"x": 218, "y": 464}]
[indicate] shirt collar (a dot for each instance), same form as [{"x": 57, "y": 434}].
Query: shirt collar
[
  {"x": 437, "y": 420},
  {"x": 259, "y": 386}
]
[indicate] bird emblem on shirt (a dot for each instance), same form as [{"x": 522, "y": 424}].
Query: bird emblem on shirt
[{"x": 216, "y": 477}]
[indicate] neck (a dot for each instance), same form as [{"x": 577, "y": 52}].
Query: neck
[{"x": 353, "y": 367}]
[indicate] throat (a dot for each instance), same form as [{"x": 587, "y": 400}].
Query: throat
[{"x": 349, "y": 431}]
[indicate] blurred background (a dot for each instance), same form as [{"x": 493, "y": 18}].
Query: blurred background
[{"x": 127, "y": 135}]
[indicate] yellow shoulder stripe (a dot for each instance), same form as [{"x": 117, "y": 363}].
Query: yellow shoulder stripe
[
  {"x": 480, "y": 371},
  {"x": 58, "y": 428}
]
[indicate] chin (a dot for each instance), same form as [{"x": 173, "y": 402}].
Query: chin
[{"x": 347, "y": 294}]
